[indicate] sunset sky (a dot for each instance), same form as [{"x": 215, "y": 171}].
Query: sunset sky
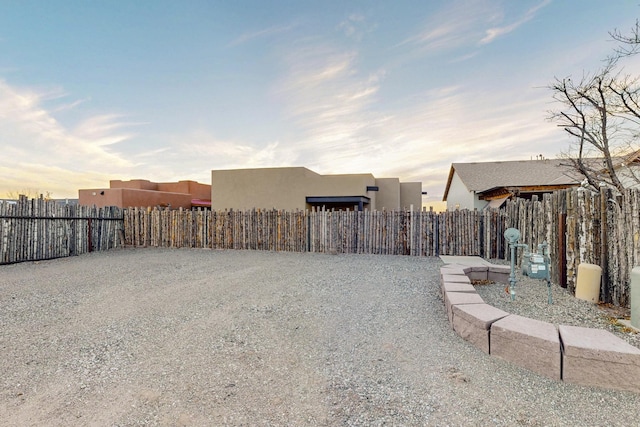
[{"x": 169, "y": 90}]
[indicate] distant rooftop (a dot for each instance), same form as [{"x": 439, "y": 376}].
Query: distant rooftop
[{"x": 483, "y": 176}]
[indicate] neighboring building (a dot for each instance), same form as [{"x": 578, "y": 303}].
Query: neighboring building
[
  {"x": 627, "y": 169},
  {"x": 293, "y": 188},
  {"x": 489, "y": 184},
  {"x": 61, "y": 202},
  {"x": 144, "y": 193},
  {"x": 66, "y": 202}
]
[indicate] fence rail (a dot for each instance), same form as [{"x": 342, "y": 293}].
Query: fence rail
[{"x": 579, "y": 226}]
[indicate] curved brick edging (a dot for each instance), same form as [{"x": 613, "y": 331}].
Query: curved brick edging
[{"x": 584, "y": 356}]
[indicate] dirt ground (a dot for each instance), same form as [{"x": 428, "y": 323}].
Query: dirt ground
[
  {"x": 206, "y": 338},
  {"x": 171, "y": 338}
]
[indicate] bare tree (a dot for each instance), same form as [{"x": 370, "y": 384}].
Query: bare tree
[
  {"x": 629, "y": 44},
  {"x": 601, "y": 112}
]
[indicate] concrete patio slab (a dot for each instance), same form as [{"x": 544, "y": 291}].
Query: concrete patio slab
[{"x": 464, "y": 260}]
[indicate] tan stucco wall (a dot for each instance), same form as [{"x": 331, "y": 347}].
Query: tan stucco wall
[
  {"x": 288, "y": 188},
  {"x": 144, "y": 198},
  {"x": 94, "y": 197},
  {"x": 280, "y": 188},
  {"x": 411, "y": 194},
  {"x": 128, "y": 197},
  {"x": 348, "y": 185},
  {"x": 260, "y": 188},
  {"x": 388, "y": 197},
  {"x": 144, "y": 193},
  {"x": 141, "y": 184},
  {"x": 197, "y": 190}
]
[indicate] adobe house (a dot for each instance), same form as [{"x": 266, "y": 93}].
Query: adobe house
[
  {"x": 291, "y": 188},
  {"x": 144, "y": 193},
  {"x": 489, "y": 184}
]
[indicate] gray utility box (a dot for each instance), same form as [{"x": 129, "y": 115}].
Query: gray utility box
[{"x": 536, "y": 265}]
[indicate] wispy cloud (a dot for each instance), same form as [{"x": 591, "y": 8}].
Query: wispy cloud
[
  {"x": 453, "y": 124},
  {"x": 463, "y": 23},
  {"x": 33, "y": 134},
  {"x": 267, "y": 32},
  {"x": 68, "y": 106},
  {"x": 45, "y": 177},
  {"x": 105, "y": 129},
  {"x": 457, "y": 24},
  {"x": 495, "y": 32},
  {"x": 205, "y": 152},
  {"x": 350, "y": 25},
  {"x": 325, "y": 95},
  {"x": 345, "y": 128},
  {"x": 356, "y": 26}
]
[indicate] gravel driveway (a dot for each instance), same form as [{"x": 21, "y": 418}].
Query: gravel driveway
[{"x": 209, "y": 338}]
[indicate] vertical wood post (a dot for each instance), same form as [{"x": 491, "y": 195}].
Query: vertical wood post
[
  {"x": 562, "y": 253},
  {"x": 604, "y": 241},
  {"x": 89, "y": 240}
]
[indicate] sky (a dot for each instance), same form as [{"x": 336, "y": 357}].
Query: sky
[{"x": 92, "y": 91}]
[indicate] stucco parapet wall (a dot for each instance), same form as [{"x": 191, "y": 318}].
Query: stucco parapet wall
[{"x": 583, "y": 356}]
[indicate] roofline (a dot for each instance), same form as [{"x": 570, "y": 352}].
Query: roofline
[
  {"x": 526, "y": 189},
  {"x": 541, "y": 186},
  {"x": 446, "y": 190},
  {"x": 453, "y": 165}
]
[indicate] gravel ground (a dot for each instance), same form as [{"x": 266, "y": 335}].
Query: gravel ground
[{"x": 200, "y": 337}]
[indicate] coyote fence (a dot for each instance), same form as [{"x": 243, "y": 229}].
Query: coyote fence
[
  {"x": 581, "y": 226},
  {"x": 38, "y": 229},
  {"x": 401, "y": 232}
]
